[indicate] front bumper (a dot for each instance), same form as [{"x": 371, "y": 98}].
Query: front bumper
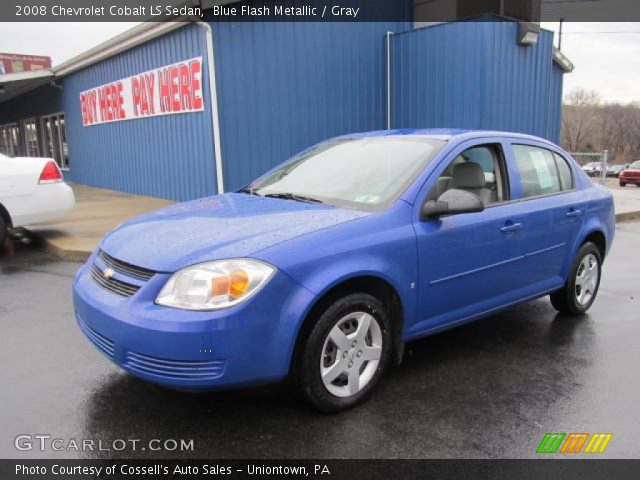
[
  {"x": 247, "y": 344},
  {"x": 633, "y": 180}
]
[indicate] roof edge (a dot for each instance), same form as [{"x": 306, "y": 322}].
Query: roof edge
[{"x": 131, "y": 38}]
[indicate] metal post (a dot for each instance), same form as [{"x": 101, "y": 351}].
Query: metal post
[
  {"x": 389, "y": 80},
  {"x": 603, "y": 176}
]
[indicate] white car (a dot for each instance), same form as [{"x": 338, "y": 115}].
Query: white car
[
  {"x": 31, "y": 191},
  {"x": 592, "y": 168}
]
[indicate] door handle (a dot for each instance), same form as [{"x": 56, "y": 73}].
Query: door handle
[
  {"x": 512, "y": 227},
  {"x": 573, "y": 213}
]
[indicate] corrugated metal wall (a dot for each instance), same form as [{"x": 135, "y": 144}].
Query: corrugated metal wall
[
  {"x": 555, "y": 124},
  {"x": 285, "y": 86},
  {"x": 169, "y": 156},
  {"x": 475, "y": 75}
]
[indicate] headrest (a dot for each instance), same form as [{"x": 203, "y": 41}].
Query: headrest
[{"x": 467, "y": 175}]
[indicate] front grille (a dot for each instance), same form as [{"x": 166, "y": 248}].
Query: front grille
[
  {"x": 174, "y": 369},
  {"x": 101, "y": 342},
  {"x": 124, "y": 267},
  {"x": 113, "y": 285}
]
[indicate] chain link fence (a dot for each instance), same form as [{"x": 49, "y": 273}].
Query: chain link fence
[{"x": 600, "y": 158}]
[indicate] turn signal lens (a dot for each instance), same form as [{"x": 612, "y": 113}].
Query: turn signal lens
[
  {"x": 239, "y": 283},
  {"x": 215, "y": 285}
]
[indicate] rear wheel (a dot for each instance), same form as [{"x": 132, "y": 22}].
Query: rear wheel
[
  {"x": 343, "y": 356},
  {"x": 581, "y": 288},
  {"x": 3, "y": 233}
]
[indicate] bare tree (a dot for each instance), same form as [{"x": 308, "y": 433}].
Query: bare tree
[
  {"x": 578, "y": 118},
  {"x": 590, "y": 125}
]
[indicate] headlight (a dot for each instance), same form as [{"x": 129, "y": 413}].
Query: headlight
[{"x": 214, "y": 285}]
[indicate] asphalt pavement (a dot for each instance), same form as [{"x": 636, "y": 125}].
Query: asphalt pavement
[{"x": 490, "y": 389}]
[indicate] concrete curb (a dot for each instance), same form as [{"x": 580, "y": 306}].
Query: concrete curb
[
  {"x": 626, "y": 216},
  {"x": 63, "y": 254},
  {"x": 82, "y": 256}
]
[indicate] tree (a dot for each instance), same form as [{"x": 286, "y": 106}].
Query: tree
[{"x": 578, "y": 119}]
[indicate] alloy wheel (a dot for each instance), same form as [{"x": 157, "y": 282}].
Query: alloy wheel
[
  {"x": 587, "y": 279},
  {"x": 351, "y": 354}
]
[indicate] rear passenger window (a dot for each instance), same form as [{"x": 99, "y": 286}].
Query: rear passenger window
[
  {"x": 566, "y": 179},
  {"x": 538, "y": 171}
]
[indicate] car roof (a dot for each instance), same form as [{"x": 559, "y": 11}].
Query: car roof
[{"x": 446, "y": 134}]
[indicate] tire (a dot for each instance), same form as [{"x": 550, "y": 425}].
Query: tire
[
  {"x": 574, "y": 298},
  {"x": 3, "y": 233},
  {"x": 351, "y": 342},
  {"x": 623, "y": 184}
]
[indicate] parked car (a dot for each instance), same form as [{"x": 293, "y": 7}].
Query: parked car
[
  {"x": 630, "y": 174},
  {"x": 614, "y": 170},
  {"x": 592, "y": 168},
  {"x": 32, "y": 190},
  {"x": 324, "y": 267}
]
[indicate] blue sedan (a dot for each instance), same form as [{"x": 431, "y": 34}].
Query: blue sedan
[{"x": 323, "y": 268}]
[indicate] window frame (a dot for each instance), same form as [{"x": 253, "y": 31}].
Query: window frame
[
  {"x": 64, "y": 166},
  {"x": 497, "y": 149},
  {"x": 18, "y": 145}
]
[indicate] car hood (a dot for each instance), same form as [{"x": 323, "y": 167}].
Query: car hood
[{"x": 223, "y": 226}]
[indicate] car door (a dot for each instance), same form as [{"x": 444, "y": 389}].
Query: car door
[
  {"x": 544, "y": 185},
  {"x": 467, "y": 263}
]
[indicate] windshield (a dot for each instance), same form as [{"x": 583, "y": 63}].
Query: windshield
[
  {"x": 635, "y": 164},
  {"x": 365, "y": 173}
]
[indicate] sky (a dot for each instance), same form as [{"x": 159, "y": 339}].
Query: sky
[{"x": 606, "y": 55}]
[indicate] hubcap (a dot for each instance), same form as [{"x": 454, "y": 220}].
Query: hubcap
[
  {"x": 351, "y": 354},
  {"x": 587, "y": 279}
]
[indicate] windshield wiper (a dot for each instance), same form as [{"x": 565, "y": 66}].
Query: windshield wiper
[
  {"x": 293, "y": 196},
  {"x": 248, "y": 190}
]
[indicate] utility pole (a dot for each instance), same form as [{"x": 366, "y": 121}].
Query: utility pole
[{"x": 560, "y": 34}]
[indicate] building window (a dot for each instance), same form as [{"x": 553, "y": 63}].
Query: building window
[
  {"x": 10, "y": 139},
  {"x": 54, "y": 139},
  {"x": 30, "y": 136}
]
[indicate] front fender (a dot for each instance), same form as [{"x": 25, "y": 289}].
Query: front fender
[{"x": 382, "y": 246}]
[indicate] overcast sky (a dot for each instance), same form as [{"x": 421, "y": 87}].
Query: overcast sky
[{"x": 606, "y": 55}]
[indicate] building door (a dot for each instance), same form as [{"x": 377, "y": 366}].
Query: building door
[{"x": 54, "y": 139}]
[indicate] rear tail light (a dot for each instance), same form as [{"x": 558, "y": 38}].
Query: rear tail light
[{"x": 50, "y": 173}]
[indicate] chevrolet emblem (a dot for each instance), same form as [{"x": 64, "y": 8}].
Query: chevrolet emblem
[{"x": 108, "y": 272}]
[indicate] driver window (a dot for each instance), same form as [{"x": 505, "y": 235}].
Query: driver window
[{"x": 479, "y": 170}]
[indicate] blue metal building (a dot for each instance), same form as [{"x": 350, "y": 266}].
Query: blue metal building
[{"x": 272, "y": 89}]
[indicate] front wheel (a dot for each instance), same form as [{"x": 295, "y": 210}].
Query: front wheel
[
  {"x": 581, "y": 288},
  {"x": 345, "y": 353},
  {"x": 623, "y": 184}
]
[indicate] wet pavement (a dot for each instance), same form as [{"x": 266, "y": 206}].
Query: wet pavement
[{"x": 490, "y": 389}]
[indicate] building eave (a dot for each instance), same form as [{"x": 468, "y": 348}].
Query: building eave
[
  {"x": 131, "y": 38},
  {"x": 15, "y": 84},
  {"x": 562, "y": 61}
]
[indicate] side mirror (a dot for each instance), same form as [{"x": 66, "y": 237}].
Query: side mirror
[{"x": 451, "y": 202}]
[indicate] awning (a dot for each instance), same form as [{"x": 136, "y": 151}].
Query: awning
[{"x": 17, "y": 83}]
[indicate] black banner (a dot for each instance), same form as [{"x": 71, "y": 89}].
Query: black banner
[
  {"x": 316, "y": 469},
  {"x": 418, "y": 11}
]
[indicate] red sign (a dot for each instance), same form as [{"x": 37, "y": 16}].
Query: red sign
[
  {"x": 175, "y": 88},
  {"x": 13, "y": 63}
]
